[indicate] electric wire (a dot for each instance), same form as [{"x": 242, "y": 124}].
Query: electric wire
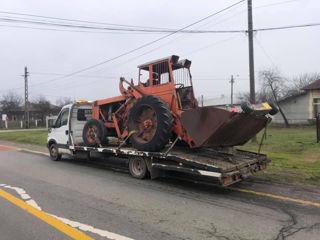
[{"x": 142, "y": 46}]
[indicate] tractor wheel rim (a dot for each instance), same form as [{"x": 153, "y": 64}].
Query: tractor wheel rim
[
  {"x": 145, "y": 121},
  {"x": 91, "y": 134}
]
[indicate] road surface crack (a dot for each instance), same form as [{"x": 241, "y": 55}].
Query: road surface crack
[{"x": 291, "y": 228}]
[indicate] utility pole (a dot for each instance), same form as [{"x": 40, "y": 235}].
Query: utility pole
[
  {"x": 201, "y": 100},
  {"x": 232, "y": 82},
  {"x": 26, "y": 97},
  {"x": 251, "y": 55}
]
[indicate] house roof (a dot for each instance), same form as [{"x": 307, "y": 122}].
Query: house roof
[
  {"x": 292, "y": 96},
  {"x": 312, "y": 86}
]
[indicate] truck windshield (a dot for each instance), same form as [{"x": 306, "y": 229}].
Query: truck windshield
[{"x": 62, "y": 119}]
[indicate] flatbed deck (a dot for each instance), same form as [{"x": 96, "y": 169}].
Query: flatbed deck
[{"x": 225, "y": 168}]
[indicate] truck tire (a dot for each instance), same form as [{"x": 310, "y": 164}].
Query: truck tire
[
  {"x": 247, "y": 107},
  {"x": 138, "y": 167},
  {"x": 94, "y": 133},
  {"x": 54, "y": 153},
  {"x": 151, "y": 117},
  {"x": 274, "y": 109}
]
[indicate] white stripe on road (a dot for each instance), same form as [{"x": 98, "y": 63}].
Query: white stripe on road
[{"x": 74, "y": 224}]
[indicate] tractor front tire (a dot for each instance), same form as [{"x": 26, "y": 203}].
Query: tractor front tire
[
  {"x": 151, "y": 119},
  {"x": 94, "y": 133}
]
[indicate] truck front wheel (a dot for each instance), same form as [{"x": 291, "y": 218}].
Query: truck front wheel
[{"x": 54, "y": 153}]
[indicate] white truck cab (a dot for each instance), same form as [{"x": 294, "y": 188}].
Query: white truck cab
[{"x": 67, "y": 130}]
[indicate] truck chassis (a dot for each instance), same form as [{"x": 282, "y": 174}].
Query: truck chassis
[{"x": 221, "y": 167}]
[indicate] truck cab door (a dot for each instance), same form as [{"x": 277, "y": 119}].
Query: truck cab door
[{"x": 61, "y": 129}]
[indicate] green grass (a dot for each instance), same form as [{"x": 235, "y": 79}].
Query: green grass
[
  {"x": 32, "y": 137},
  {"x": 294, "y": 154}
]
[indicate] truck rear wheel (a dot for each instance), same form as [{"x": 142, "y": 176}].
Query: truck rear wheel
[
  {"x": 138, "y": 167},
  {"x": 152, "y": 119},
  {"x": 94, "y": 133}
]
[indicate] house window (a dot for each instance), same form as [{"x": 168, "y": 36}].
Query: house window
[
  {"x": 14, "y": 117},
  {"x": 316, "y": 106}
]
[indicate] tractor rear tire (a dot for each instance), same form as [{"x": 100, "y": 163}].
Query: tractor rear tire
[
  {"x": 151, "y": 117},
  {"x": 94, "y": 133}
]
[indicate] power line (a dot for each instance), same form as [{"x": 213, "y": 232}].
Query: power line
[
  {"x": 265, "y": 52},
  {"x": 63, "y": 74},
  {"x": 111, "y": 29},
  {"x": 287, "y": 27},
  {"x": 140, "y": 28},
  {"x": 135, "y": 31},
  {"x": 144, "y": 45},
  {"x": 76, "y": 20},
  {"x": 74, "y": 30}
]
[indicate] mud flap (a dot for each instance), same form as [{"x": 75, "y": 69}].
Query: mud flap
[{"x": 215, "y": 127}]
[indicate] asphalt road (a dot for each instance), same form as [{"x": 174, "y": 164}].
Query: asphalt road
[{"x": 108, "y": 204}]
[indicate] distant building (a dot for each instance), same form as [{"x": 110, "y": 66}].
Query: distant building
[
  {"x": 302, "y": 107},
  {"x": 37, "y": 115}
]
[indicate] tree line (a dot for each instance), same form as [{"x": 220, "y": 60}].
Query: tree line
[
  {"x": 11, "y": 101},
  {"x": 274, "y": 86}
]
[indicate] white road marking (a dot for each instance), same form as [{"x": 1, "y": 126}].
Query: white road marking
[
  {"x": 74, "y": 224},
  {"x": 33, "y": 204},
  {"x": 88, "y": 228},
  {"x": 20, "y": 191}
]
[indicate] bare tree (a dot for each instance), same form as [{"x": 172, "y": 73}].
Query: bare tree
[
  {"x": 64, "y": 101},
  {"x": 43, "y": 105},
  {"x": 273, "y": 81},
  {"x": 261, "y": 96},
  {"x": 297, "y": 83},
  {"x": 10, "y": 101}
]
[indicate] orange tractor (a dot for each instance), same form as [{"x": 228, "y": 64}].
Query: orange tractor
[{"x": 162, "y": 107}]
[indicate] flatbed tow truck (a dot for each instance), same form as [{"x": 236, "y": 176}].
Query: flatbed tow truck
[{"x": 223, "y": 166}]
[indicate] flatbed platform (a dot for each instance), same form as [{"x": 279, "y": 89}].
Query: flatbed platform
[{"x": 224, "y": 167}]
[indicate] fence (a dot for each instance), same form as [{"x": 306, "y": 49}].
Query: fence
[
  {"x": 21, "y": 124},
  {"x": 318, "y": 127}
]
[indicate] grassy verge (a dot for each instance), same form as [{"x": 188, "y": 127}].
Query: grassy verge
[
  {"x": 294, "y": 153},
  {"x": 30, "y": 137}
]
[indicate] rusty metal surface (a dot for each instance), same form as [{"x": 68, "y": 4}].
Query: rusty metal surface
[
  {"x": 224, "y": 161},
  {"x": 214, "y": 127}
]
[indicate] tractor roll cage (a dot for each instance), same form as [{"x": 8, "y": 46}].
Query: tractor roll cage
[{"x": 165, "y": 70}]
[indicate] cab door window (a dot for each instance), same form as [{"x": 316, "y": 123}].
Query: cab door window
[
  {"x": 160, "y": 73},
  {"x": 62, "y": 119}
]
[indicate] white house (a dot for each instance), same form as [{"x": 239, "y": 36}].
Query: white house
[{"x": 303, "y": 107}]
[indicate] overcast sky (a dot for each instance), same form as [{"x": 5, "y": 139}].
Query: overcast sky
[{"x": 214, "y": 56}]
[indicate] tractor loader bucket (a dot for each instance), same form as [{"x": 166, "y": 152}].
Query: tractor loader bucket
[{"x": 215, "y": 127}]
